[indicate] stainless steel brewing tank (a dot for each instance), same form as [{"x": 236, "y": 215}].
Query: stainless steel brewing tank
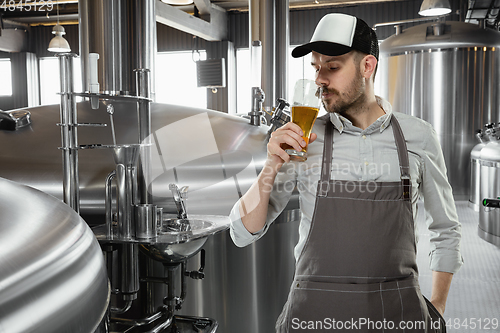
[
  {"x": 489, "y": 218},
  {"x": 484, "y": 136},
  {"x": 243, "y": 287},
  {"x": 201, "y": 148},
  {"x": 451, "y": 80},
  {"x": 52, "y": 272}
]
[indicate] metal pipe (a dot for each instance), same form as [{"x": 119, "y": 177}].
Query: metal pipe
[
  {"x": 122, "y": 310},
  {"x": 163, "y": 325},
  {"x": 130, "y": 271},
  {"x": 123, "y": 202},
  {"x": 398, "y": 23},
  {"x": 282, "y": 48},
  {"x": 69, "y": 134},
  {"x": 183, "y": 285},
  {"x": 139, "y": 322},
  {"x": 267, "y": 24},
  {"x": 144, "y": 39},
  {"x": 171, "y": 300},
  {"x": 142, "y": 77},
  {"x": 108, "y": 205},
  {"x": 146, "y": 321}
]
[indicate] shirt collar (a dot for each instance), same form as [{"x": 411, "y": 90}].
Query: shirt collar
[{"x": 341, "y": 123}]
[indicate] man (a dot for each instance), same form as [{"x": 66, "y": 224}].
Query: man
[{"x": 356, "y": 255}]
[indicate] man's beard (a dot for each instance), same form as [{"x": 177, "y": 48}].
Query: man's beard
[{"x": 353, "y": 97}]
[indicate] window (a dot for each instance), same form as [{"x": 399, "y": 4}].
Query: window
[
  {"x": 6, "y": 74},
  {"x": 176, "y": 79},
  {"x": 243, "y": 84},
  {"x": 298, "y": 68},
  {"x": 50, "y": 84}
]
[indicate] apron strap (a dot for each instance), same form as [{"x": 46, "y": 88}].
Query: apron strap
[
  {"x": 404, "y": 162},
  {"x": 326, "y": 167}
]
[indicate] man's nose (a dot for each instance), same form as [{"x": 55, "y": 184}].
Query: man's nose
[{"x": 321, "y": 79}]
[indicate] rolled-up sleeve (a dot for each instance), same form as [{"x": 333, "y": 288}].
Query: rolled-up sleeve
[
  {"x": 282, "y": 191},
  {"x": 441, "y": 214}
]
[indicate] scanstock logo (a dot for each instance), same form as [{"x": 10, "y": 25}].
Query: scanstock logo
[{"x": 187, "y": 153}]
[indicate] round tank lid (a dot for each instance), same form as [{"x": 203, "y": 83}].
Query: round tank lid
[
  {"x": 491, "y": 152},
  {"x": 455, "y": 35},
  {"x": 476, "y": 151}
]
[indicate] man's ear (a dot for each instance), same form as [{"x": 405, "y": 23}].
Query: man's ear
[{"x": 368, "y": 66}]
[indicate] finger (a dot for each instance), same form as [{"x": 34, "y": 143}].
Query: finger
[
  {"x": 289, "y": 138},
  {"x": 313, "y": 137},
  {"x": 285, "y": 135},
  {"x": 278, "y": 151},
  {"x": 293, "y": 127}
]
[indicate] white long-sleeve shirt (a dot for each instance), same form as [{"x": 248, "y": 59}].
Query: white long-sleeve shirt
[{"x": 370, "y": 155}]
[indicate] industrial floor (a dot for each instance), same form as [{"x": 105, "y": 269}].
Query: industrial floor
[{"x": 474, "y": 299}]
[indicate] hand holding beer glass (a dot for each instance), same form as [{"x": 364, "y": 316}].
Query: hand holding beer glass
[{"x": 305, "y": 108}]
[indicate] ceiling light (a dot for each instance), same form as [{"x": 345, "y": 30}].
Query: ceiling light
[
  {"x": 58, "y": 43},
  {"x": 177, "y": 2},
  {"x": 435, "y": 8}
]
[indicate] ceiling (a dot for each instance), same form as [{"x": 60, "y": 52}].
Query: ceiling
[{"x": 68, "y": 9}]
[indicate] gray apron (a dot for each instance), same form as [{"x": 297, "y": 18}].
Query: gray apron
[{"x": 357, "y": 271}]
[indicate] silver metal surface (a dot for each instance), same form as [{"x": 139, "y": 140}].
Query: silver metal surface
[
  {"x": 143, "y": 89},
  {"x": 179, "y": 196},
  {"x": 52, "y": 276},
  {"x": 475, "y": 176},
  {"x": 238, "y": 280},
  {"x": 69, "y": 133},
  {"x": 146, "y": 221},
  {"x": 14, "y": 119},
  {"x": 129, "y": 271},
  {"x": 110, "y": 27},
  {"x": 451, "y": 80},
  {"x": 268, "y": 24},
  {"x": 125, "y": 157},
  {"x": 171, "y": 253},
  {"x": 215, "y": 179},
  {"x": 170, "y": 230},
  {"x": 400, "y": 23},
  {"x": 489, "y": 218}
]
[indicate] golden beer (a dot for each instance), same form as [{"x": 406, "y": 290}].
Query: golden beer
[{"x": 304, "y": 116}]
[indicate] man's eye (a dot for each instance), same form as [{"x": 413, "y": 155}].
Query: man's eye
[{"x": 333, "y": 68}]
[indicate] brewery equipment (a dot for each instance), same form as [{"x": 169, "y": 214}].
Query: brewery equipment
[
  {"x": 489, "y": 213},
  {"x": 448, "y": 74},
  {"x": 52, "y": 277},
  {"x": 13, "y": 120},
  {"x": 139, "y": 223},
  {"x": 217, "y": 155},
  {"x": 280, "y": 117},
  {"x": 484, "y": 136}
]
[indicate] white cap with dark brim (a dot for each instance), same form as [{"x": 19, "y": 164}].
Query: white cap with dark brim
[{"x": 338, "y": 34}]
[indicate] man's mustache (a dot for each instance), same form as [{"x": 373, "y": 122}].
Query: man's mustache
[{"x": 322, "y": 90}]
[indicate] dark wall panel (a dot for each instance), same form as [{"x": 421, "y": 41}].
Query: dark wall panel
[
  {"x": 239, "y": 30},
  {"x": 19, "y": 97},
  {"x": 170, "y": 39},
  {"x": 303, "y": 22}
]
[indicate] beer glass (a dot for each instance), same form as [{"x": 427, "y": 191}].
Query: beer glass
[{"x": 305, "y": 107}]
